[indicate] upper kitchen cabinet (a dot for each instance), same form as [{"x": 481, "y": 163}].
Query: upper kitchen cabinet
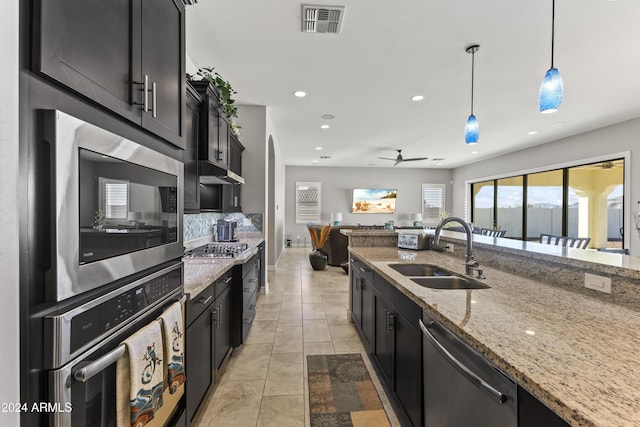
[
  {"x": 214, "y": 127},
  {"x": 126, "y": 55},
  {"x": 190, "y": 154}
]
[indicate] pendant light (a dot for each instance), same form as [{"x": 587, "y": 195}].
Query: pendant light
[
  {"x": 551, "y": 88},
  {"x": 472, "y": 130}
]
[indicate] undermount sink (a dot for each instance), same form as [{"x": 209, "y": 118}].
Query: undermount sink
[
  {"x": 419, "y": 270},
  {"x": 448, "y": 282}
]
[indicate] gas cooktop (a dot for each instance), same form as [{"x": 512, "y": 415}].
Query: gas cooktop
[{"x": 217, "y": 250}]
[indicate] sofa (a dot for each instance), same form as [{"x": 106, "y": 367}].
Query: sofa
[{"x": 336, "y": 246}]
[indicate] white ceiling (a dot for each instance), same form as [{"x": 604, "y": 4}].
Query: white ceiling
[{"x": 389, "y": 51}]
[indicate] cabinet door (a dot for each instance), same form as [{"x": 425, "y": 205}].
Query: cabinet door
[
  {"x": 164, "y": 64},
  {"x": 235, "y": 154},
  {"x": 356, "y": 298},
  {"x": 198, "y": 361},
  {"x": 190, "y": 155},
  {"x": 231, "y": 197},
  {"x": 408, "y": 368},
  {"x": 223, "y": 141},
  {"x": 222, "y": 327},
  {"x": 384, "y": 336},
  {"x": 367, "y": 317},
  {"x": 90, "y": 46}
]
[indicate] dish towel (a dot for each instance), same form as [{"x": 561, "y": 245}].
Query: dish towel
[
  {"x": 140, "y": 377},
  {"x": 173, "y": 335}
]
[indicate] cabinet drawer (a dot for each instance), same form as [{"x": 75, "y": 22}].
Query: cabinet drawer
[
  {"x": 248, "y": 315},
  {"x": 223, "y": 283},
  {"x": 249, "y": 291},
  {"x": 199, "y": 303},
  {"x": 365, "y": 271},
  {"x": 249, "y": 267}
]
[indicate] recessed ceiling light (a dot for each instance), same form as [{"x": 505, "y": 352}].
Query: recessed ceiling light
[
  {"x": 533, "y": 132},
  {"x": 474, "y": 152},
  {"x": 417, "y": 97},
  {"x": 318, "y": 148},
  {"x": 328, "y": 116},
  {"x": 300, "y": 94},
  {"x": 324, "y": 126},
  {"x": 314, "y": 161}
]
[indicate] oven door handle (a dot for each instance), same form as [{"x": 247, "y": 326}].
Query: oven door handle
[
  {"x": 97, "y": 366},
  {"x": 93, "y": 368}
]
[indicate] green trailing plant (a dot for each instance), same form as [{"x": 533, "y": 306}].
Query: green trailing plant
[{"x": 223, "y": 87}]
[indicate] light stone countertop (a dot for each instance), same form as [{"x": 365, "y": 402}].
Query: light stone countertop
[
  {"x": 577, "y": 354},
  {"x": 199, "y": 273}
]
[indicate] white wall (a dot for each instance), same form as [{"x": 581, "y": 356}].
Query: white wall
[
  {"x": 337, "y": 188},
  {"x": 276, "y": 195},
  {"x": 9, "y": 250},
  {"x": 615, "y": 139}
]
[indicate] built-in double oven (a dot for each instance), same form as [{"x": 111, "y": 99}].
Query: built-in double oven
[{"x": 116, "y": 264}]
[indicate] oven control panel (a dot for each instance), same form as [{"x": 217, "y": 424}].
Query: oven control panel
[{"x": 104, "y": 315}]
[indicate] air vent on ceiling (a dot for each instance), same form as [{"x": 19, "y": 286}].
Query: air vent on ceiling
[{"x": 322, "y": 19}]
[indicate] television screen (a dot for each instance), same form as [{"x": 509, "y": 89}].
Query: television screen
[{"x": 374, "y": 200}]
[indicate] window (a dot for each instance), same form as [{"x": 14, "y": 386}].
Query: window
[
  {"x": 577, "y": 201},
  {"x": 307, "y": 202},
  {"x": 483, "y": 203},
  {"x": 509, "y": 199},
  {"x": 432, "y": 203},
  {"x": 114, "y": 198}
]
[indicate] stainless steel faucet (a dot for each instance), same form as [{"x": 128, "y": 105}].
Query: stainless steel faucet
[{"x": 469, "y": 263}]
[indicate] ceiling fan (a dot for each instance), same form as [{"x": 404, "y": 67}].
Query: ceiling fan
[{"x": 400, "y": 159}]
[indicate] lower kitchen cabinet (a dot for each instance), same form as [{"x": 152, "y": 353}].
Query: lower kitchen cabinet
[
  {"x": 208, "y": 340},
  {"x": 362, "y": 300},
  {"x": 533, "y": 413},
  {"x": 391, "y": 321},
  {"x": 245, "y": 296}
]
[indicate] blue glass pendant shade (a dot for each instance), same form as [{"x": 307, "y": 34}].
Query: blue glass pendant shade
[
  {"x": 472, "y": 130},
  {"x": 551, "y": 90}
]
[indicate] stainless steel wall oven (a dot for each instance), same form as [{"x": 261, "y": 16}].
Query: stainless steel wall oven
[
  {"x": 83, "y": 344},
  {"x": 116, "y": 209}
]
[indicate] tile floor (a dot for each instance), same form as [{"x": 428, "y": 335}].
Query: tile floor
[{"x": 304, "y": 313}]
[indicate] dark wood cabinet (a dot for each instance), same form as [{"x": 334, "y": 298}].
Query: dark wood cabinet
[
  {"x": 235, "y": 154},
  {"x": 533, "y": 413},
  {"x": 247, "y": 279},
  {"x": 110, "y": 52},
  {"x": 208, "y": 340},
  {"x": 223, "y": 312},
  {"x": 190, "y": 155},
  {"x": 214, "y": 128},
  {"x": 362, "y": 305},
  {"x": 387, "y": 322}
]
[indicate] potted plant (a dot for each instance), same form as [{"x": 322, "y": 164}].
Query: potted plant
[
  {"x": 319, "y": 236},
  {"x": 223, "y": 87}
]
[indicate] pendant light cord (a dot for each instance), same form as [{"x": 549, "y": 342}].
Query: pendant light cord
[
  {"x": 473, "y": 57},
  {"x": 553, "y": 27}
]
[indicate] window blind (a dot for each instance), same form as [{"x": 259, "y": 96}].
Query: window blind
[
  {"x": 432, "y": 203},
  {"x": 307, "y": 201}
]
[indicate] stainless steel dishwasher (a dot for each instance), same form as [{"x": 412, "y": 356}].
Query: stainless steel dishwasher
[{"x": 461, "y": 388}]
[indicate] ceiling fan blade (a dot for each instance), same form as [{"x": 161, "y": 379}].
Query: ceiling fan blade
[
  {"x": 415, "y": 158},
  {"x": 386, "y": 158},
  {"x": 397, "y": 161}
]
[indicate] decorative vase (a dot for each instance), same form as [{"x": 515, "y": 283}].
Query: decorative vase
[{"x": 318, "y": 260}]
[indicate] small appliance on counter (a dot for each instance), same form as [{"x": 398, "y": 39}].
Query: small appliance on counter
[
  {"x": 415, "y": 241},
  {"x": 227, "y": 230}
]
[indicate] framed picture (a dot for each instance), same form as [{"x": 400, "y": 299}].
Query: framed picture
[{"x": 374, "y": 200}]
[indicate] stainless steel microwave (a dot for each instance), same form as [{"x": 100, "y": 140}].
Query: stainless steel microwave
[{"x": 116, "y": 209}]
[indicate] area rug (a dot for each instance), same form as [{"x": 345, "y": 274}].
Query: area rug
[{"x": 341, "y": 392}]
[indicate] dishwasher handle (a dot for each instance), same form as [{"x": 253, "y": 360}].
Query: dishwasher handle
[{"x": 476, "y": 380}]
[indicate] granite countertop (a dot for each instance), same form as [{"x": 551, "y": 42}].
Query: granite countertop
[
  {"x": 199, "y": 273},
  {"x": 577, "y": 354}
]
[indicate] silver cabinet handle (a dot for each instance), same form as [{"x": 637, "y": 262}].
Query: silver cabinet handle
[
  {"x": 154, "y": 104},
  {"x": 145, "y": 93},
  {"x": 228, "y": 279},
  {"x": 470, "y": 375},
  {"x": 219, "y": 316},
  {"x": 391, "y": 322},
  {"x": 203, "y": 300}
]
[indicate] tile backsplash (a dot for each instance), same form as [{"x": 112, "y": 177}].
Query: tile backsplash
[{"x": 197, "y": 226}]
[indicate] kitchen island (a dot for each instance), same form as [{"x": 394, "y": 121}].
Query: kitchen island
[{"x": 577, "y": 354}]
